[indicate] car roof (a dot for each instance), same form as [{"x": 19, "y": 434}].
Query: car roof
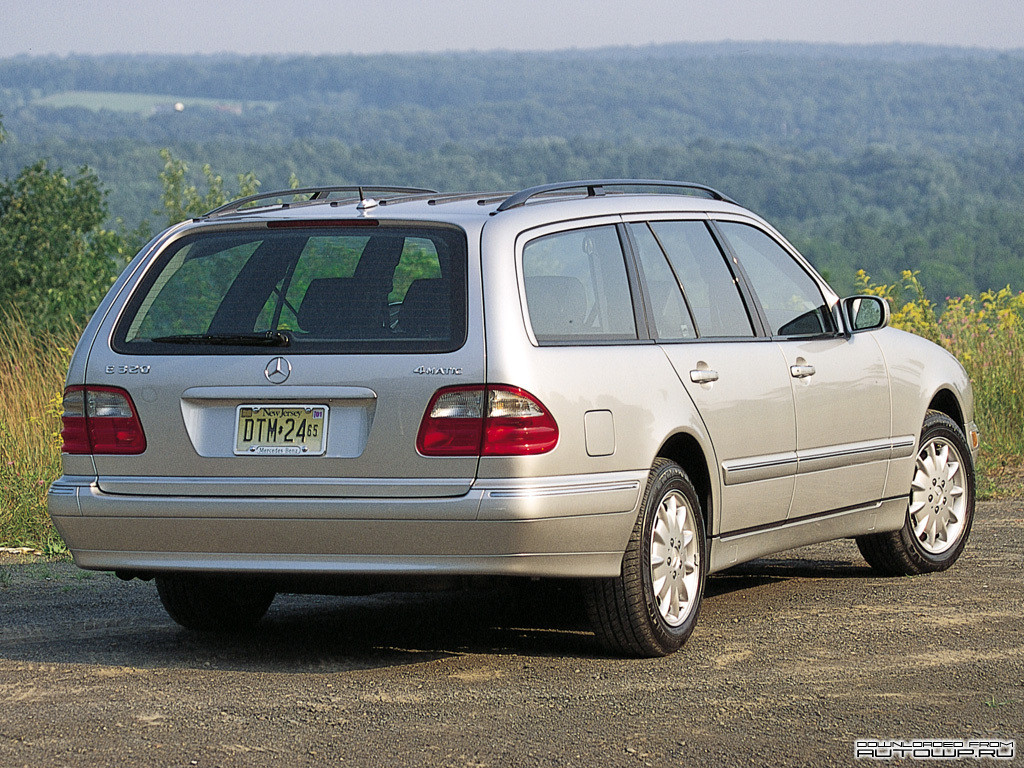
[{"x": 529, "y": 207}]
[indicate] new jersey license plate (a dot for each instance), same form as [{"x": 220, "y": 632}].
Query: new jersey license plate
[{"x": 281, "y": 430}]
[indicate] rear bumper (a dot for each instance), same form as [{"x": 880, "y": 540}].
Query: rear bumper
[{"x": 558, "y": 527}]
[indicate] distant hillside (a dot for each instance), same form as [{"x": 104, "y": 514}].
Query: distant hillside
[
  {"x": 807, "y": 97},
  {"x": 881, "y": 157}
]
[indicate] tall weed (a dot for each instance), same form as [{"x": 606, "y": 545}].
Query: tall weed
[{"x": 32, "y": 370}]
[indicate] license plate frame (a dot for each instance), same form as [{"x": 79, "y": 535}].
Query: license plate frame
[{"x": 267, "y": 436}]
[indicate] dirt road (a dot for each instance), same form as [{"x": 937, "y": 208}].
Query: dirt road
[{"x": 794, "y": 657}]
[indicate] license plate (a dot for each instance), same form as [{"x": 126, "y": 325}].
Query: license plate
[{"x": 281, "y": 430}]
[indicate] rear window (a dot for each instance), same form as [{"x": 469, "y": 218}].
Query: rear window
[{"x": 311, "y": 289}]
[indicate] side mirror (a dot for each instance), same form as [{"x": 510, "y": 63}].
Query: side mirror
[{"x": 865, "y": 313}]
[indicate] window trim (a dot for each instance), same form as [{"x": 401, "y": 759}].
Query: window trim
[
  {"x": 743, "y": 282},
  {"x": 642, "y": 315},
  {"x": 641, "y": 278}
]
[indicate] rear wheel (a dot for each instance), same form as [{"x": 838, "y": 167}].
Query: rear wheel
[
  {"x": 213, "y": 603},
  {"x": 651, "y": 608},
  {"x": 941, "y": 507}
]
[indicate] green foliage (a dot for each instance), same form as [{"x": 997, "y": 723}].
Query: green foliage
[
  {"x": 884, "y": 158},
  {"x": 962, "y": 227},
  {"x": 56, "y": 259},
  {"x": 182, "y": 200},
  {"x": 141, "y": 103},
  {"x": 806, "y": 98},
  {"x": 987, "y": 334},
  {"x": 915, "y": 314}
]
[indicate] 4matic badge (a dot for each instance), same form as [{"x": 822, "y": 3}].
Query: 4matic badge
[{"x": 427, "y": 370}]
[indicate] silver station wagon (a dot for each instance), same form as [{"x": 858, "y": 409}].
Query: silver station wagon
[{"x": 628, "y": 383}]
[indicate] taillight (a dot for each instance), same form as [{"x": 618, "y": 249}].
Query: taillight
[
  {"x": 101, "y": 420},
  {"x": 75, "y": 434},
  {"x": 496, "y": 420}
]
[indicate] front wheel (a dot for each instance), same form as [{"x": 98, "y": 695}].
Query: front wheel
[
  {"x": 651, "y": 608},
  {"x": 213, "y": 603},
  {"x": 941, "y": 507}
]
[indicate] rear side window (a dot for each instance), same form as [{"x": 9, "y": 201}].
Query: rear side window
[
  {"x": 708, "y": 283},
  {"x": 576, "y": 287},
  {"x": 791, "y": 300},
  {"x": 316, "y": 289},
  {"x": 669, "y": 314}
]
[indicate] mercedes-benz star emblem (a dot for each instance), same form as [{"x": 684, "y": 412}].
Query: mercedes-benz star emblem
[{"x": 278, "y": 370}]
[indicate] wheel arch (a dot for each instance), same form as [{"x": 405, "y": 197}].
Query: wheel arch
[
  {"x": 946, "y": 401},
  {"x": 686, "y": 451}
]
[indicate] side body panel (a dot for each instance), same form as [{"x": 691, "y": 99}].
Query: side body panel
[
  {"x": 843, "y": 422},
  {"x": 748, "y": 412},
  {"x": 615, "y": 404},
  {"x": 918, "y": 371}
]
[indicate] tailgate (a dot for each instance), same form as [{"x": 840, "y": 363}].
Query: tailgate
[{"x": 293, "y": 363}]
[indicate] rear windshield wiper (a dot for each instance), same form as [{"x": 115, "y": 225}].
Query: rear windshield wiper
[{"x": 265, "y": 339}]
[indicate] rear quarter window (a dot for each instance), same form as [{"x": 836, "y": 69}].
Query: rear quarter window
[{"x": 577, "y": 289}]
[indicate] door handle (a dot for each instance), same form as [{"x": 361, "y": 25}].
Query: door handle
[
  {"x": 703, "y": 376},
  {"x": 801, "y": 371}
]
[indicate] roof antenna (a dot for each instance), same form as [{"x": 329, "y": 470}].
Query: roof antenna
[{"x": 365, "y": 203}]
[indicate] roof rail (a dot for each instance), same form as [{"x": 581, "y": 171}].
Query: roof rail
[
  {"x": 482, "y": 198},
  {"x": 595, "y": 188},
  {"x": 316, "y": 193}
]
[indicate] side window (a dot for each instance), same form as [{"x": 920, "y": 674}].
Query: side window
[
  {"x": 710, "y": 287},
  {"x": 670, "y": 316},
  {"x": 789, "y": 296},
  {"x": 577, "y": 288}
]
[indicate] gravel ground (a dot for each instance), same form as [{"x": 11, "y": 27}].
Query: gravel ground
[{"x": 794, "y": 657}]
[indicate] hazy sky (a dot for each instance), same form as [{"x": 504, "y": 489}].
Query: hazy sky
[{"x": 363, "y": 26}]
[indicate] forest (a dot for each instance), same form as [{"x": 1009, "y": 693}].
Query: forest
[{"x": 882, "y": 158}]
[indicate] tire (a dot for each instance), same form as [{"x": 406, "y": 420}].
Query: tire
[
  {"x": 651, "y": 608},
  {"x": 941, "y": 508},
  {"x": 211, "y": 603}
]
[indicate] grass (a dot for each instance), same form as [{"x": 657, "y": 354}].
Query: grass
[
  {"x": 141, "y": 103},
  {"x": 992, "y": 701},
  {"x": 986, "y": 333},
  {"x": 32, "y": 370}
]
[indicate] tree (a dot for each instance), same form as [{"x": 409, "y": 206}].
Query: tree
[
  {"x": 56, "y": 259},
  {"x": 183, "y": 201}
]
